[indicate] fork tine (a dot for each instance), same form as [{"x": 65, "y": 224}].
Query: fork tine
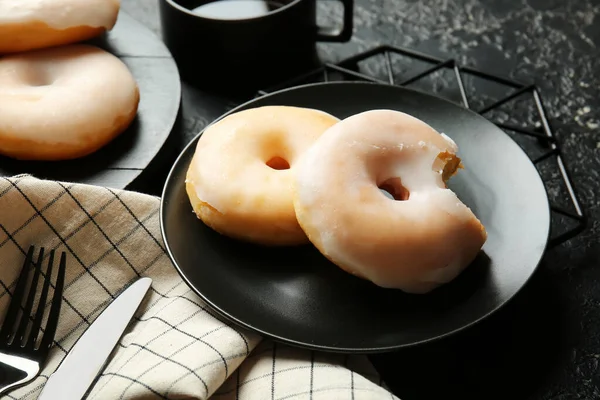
[
  {"x": 30, "y": 298},
  {"x": 39, "y": 314},
  {"x": 15, "y": 303},
  {"x": 55, "y": 308}
]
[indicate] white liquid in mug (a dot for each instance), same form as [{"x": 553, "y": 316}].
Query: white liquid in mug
[{"x": 233, "y": 9}]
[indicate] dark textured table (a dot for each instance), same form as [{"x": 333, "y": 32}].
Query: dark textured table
[{"x": 545, "y": 344}]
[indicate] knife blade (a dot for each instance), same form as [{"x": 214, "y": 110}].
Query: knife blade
[{"x": 83, "y": 363}]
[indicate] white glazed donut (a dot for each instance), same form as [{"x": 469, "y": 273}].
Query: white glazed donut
[
  {"x": 63, "y": 102},
  {"x": 35, "y": 24},
  {"x": 416, "y": 243},
  {"x": 239, "y": 181}
]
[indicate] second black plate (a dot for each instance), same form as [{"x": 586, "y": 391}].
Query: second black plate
[
  {"x": 122, "y": 161},
  {"x": 296, "y": 296}
]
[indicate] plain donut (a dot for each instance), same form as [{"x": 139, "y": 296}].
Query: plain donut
[
  {"x": 416, "y": 243},
  {"x": 63, "y": 102},
  {"x": 35, "y": 24},
  {"x": 239, "y": 181}
]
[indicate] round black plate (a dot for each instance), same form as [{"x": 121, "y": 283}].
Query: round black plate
[
  {"x": 296, "y": 296},
  {"x": 121, "y": 162}
]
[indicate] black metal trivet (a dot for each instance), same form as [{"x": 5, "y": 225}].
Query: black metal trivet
[{"x": 484, "y": 93}]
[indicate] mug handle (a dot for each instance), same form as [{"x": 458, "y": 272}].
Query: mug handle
[{"x": 336, "y": 34}]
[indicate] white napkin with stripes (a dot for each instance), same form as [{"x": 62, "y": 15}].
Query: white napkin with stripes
[{"x": 174, "y": 348}]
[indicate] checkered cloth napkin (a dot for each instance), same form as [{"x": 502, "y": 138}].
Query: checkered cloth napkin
[{"x": 174, "y": 348}]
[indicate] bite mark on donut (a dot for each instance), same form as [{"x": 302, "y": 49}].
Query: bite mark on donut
[
  {"x": 394, "y": 187},
  {"x": 448, "y": 164},
  {"x": 278, "y": 163}
]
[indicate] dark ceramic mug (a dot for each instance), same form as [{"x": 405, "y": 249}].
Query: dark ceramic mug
[{"x": 245, "y": 54}]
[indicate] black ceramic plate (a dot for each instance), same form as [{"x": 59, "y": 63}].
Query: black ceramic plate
[
  {"x": 123, "y": 160},
  {"x": 296, "y": 296}
]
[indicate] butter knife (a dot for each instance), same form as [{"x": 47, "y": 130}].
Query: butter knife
[{"x": 83, "y": 363}]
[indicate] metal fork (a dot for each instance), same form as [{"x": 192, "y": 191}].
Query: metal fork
[{"x": 22, "y": 359}]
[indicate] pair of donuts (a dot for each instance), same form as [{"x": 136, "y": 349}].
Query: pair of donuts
[
  {"x": 280, "y": 175},
  {"x": 60, "y": 99}
]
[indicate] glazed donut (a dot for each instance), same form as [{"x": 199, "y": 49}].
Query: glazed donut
[
  {"x": 63, "y": 102},
  {"x": 422, "y": 238},
  {"x": 35, "y": 24},
  {"x": 239, "y": 181}
]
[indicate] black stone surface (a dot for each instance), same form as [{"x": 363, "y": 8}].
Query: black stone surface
[{"x": 545, "y": 344}]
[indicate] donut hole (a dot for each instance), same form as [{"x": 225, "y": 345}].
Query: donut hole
[
  {"x": 38, "y": 77},
  {"x": 393, "y": 189},
  {"x": 278, "y": 163}
]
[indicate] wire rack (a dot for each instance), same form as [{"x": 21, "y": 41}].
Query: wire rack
[{"x": 526, "y": 119}]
